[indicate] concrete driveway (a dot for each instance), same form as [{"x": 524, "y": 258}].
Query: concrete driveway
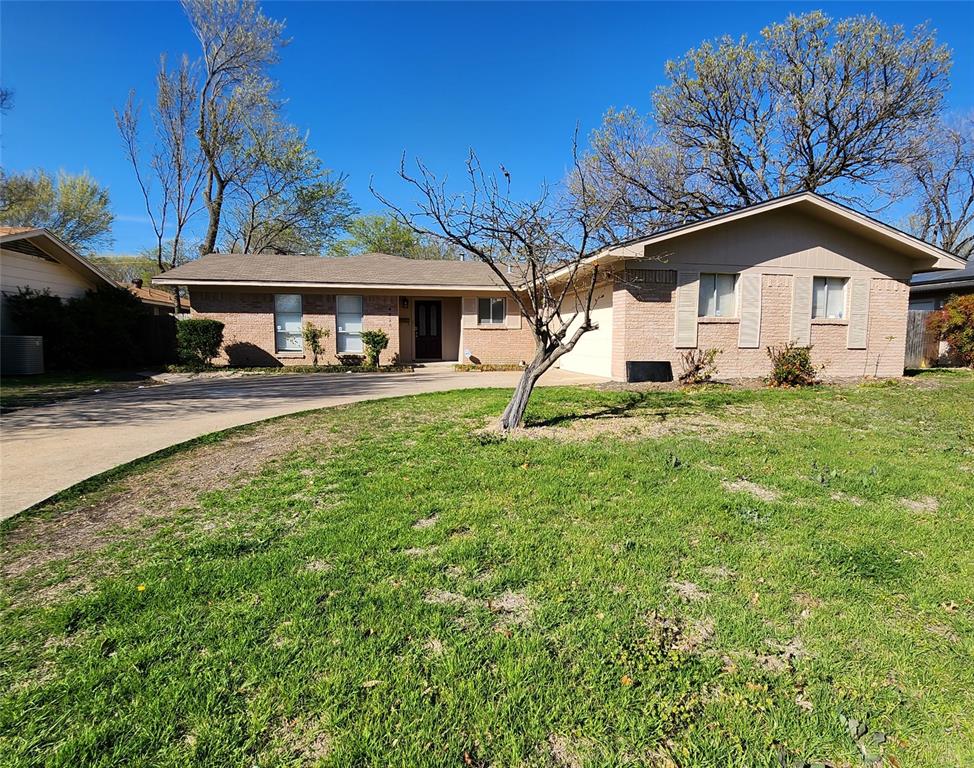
[{"x": 46, "y": 449}]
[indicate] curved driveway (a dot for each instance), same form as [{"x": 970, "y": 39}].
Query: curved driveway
[{"x": 46, "y": 449}]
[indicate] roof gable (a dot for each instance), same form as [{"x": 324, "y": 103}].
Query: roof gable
[
  {"x": 926, "y": 255},
  {"x": 44, "y": 244}
]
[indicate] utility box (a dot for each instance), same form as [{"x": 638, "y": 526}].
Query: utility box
[{"x": 21, "y": 355}]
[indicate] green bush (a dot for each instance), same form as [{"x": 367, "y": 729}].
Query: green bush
[
  {"x": 375, "y": 342},
  {"x": 103, "y": 328},
  {"x": 313, "y": 336},
  {"x": 955, "y": 325},
  {"x": 791, "y": 366},
  {"x": 198, "y": 340}
]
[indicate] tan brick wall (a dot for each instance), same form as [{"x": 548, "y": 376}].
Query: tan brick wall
[
  {"x": 499, "y": 346},
  {"x": 248, "y": 318},
  {"x": 643, "y": 330}
]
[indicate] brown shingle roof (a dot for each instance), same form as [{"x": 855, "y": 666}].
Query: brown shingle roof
[
  {"x": 4, "y": 231},
  {"x": 368, "y": 269},
  {"x": 153, "y": 295}
]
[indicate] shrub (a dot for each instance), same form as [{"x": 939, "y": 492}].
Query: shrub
[
  {"x": 313, "y": 336},
  {"x": 103, "y": 328},
  {"x": 198, "y": 340},
  {"x": 375, "y": 342},
  {"x": 791, "y": 366},
  {"x": 698, "y": 365},
  {"x": 955, "y": 325}
]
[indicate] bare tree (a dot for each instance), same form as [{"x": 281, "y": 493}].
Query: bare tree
[
  {"x": 176, "y": 162},
  {"x": 816, "y": 105},
  {"x": 238, "y": 45},
  {"x": 6, "y": 99},
  {"x": 538, "y": 249},
  {"x": 944, "y": 171}
]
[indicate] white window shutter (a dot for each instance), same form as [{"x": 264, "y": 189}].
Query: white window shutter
[
  {"x": 858, "y": 312},
  {"x": 801, "y": 309},
  {"x": 469, "y": 311},
  {"x": 749, "y": 333},
  {"x": 687, "y": 295},
  {"x": 513, "y": 316}
]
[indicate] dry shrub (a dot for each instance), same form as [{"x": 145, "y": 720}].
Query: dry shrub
[{"x": 698, "y": 365}]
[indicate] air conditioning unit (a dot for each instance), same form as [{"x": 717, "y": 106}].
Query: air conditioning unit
[{"x": 21, "y": 355}]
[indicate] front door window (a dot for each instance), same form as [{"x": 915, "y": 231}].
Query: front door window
[{"x": 428, "y": 322}]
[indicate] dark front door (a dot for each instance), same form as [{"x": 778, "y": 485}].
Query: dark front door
[{"x": 428, "y": 321}]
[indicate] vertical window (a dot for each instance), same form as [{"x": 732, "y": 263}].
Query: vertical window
[
  {"x": 718, "y": 297},
  {"x": 828, "y": 297},
  {"x": 349, "y": 321},
  {"x": 287, "y": 322},
  {"x": 491, "y": 311}
]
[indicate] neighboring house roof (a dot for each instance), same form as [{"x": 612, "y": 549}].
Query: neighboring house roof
[
  {"x": 929, "y": 256},
  {"x": 954, "y": 279},
  {"x": 371, "y": 270},
  {"x": 44, "y": 244},
  {"x": 153, "y": 296}
]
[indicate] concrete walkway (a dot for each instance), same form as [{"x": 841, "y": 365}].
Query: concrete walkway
[{"x": 46, "y": 449}]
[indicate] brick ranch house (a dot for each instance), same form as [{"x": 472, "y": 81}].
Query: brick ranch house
[{"x": 799, "y": 268}]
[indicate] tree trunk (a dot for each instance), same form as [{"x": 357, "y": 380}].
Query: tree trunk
[
  {"x": 214, "y": 205},
  {"x": 514, "y": 413}
]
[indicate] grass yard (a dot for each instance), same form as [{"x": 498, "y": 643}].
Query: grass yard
[
  {"x": 718, "y": 577},
  {"x": 27, "y": 391}
]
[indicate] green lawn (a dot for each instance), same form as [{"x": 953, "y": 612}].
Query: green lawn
[
  {"x": 26, "y": 391},
  {"x": 711, "y": 578}
]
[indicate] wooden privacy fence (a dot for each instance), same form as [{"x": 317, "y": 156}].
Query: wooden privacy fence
[{"x": 922, "y": 346}]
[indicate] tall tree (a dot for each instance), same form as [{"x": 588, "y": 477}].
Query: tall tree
[
  {"x": 943, "y": 169},
  {"x": 239, "y": 43},
  {"x": 538, "y": 249},
  {"x": 74, "y": 207},
  {"x": 814, "y": 105},
  {"x": 377, "y": 233},
  {"x": 285, "y": 201},
  {"x": 171, "y": 178}
]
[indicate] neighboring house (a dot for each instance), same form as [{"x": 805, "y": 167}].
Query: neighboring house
[
  {"x": 798, "y": 268},
  {"x": 36, "y": 258},
  {"x": 156, "y": 301},
  {"x": 930, "y": 290}
]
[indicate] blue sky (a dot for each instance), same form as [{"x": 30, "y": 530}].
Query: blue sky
[{"x": 372, "y": 80}]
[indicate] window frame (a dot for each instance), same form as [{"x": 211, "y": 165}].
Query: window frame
[
  {"x": 843, "y": 287},
  {"x": 278, "y": 331},
  {"x": 342, "y": 337},
  {"x": 492, "y": 301},
  {"x": 735, "y": 309}
]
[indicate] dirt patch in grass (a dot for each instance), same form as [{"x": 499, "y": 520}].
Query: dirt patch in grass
[
  {"x": 426, "y": 522},
  {"x": 420, "y": 551},
  {"x": 319, "y": 566},
  {"x": 782, "y": 655},
  {"x": 746, "y": 486},
  {"x": 718, "y": 572},
  {"x": 923, "y": 504},
  {"x": 563, "y": 753},
  {"x": 444, "y": 597},
  {"x": 846, "y": 498},
  {"x": 308, "y": 741},
  {"x": 687, "y": 590},
  {"x": 512, "y": 609}
]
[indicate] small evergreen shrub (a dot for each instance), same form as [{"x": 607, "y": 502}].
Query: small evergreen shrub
[
  {"x": 313, "y": 336},
  {"x": 698, "y": 365},
  {"x": 198, "y": 341},
  {"x": 955, "y": 325},
  {"x": 791, "y": 366},
  {"x": 375, "y": 342}
]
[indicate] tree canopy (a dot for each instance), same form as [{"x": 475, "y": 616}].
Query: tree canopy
[
  {"x": 378, "y": 233},
  {"x": 74, "y": 207},
  {"x": 815, "y": 104}
]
